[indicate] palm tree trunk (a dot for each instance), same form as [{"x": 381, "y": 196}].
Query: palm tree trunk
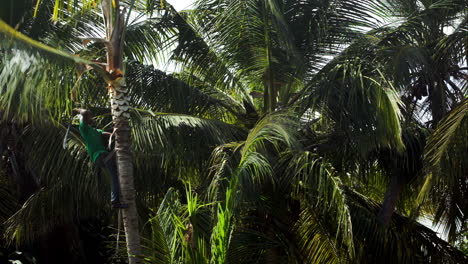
[
  {"x": 391, "y": 197},
  {"x": 270, "y": 93},
  {"x": 118, "y": 93},
  {"x": 272, "y": 255},
  {"x": 122, "y": 130},
  {"x": 438, "y": 110}
]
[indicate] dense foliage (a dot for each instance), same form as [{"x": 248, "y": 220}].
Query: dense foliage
[{"x": 292, "y": 131}]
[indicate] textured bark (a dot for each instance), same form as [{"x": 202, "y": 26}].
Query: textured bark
[{"x": 119, "y": 99}]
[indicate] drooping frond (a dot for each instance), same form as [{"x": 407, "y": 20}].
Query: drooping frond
[
  {"x": 426, "y": 51},
  {"x": 14, "y": 36},
  {"x": 168, "y": 131},
  {"x": 277, "y": 129},
  {"x": 324, "y": 193},
  {"x": 252, "y": 160},
  {"x": 157, "y": 91},
  {"x": 241, "y": 172},
  {"x": 159, "y": 249},
  {"x": 404, "y": 241},
  {"x": 191, "y": 51},
  {"x": 273, "y": 32},
  {"x": 448, "y": 134},
  {"x": 36, "y": 79},
  {"x": 8, "y": 202},
  {"x": 160, "y": 139},
  {"x": 316, "y": 243},
  {"x": 359, "y": 99},
  {"x": 447, "y": 168},
  {"x": 29, "y": 85},
  {"x": 68, "y": 183}
]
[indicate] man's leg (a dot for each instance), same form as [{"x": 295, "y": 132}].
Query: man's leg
[
  {"x": 98, "y": 165},
  {"x": 111, "y": 166}
]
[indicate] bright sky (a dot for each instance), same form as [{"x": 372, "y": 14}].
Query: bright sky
[{"x": 181, "y": 4}]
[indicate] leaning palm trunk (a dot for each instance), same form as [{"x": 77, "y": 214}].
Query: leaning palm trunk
[
  {"x": 390, "y": 200},
  {"x": 118, "y": 93}
]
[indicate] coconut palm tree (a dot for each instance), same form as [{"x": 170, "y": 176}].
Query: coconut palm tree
[
  {"x": 115, "y": 21},
  {"x": 447, "y": 149},
  {"x": 245, "y": 47},
  {"x": 71, "y": 162},
  {"x": 426, "y": 54}
]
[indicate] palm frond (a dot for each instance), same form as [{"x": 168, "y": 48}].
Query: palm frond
[
  {"x": 354, "y": 92},
  {"x": 29, "y": 85},
  {"x": 446, "y": 135},
  {"x": 158, "y": 91},
  {"x": 404, "y": 241},
  {"x": 316, "y": 243},
  {"x": 445, "y": 159},
  {"x": 158, "y": 141},
  {"x": 171, "y": 131},
  {"x": 198, "y": 58},
  {"x": 222, "y": 230},
  {"x": 250, "y": 161},
  {"x": 8, "y": 203},
  {"x": 172, "y": 226},
  {"x": 13, "y": 35},
  {"x": 69, "y": 186},
  {"x": 33, "y": 74},
  {"x": 185, "y": 227},
  {"x": 160, "y": 252},
  {"x": 324, "y": 193}
]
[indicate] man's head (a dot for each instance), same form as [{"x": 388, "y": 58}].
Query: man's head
[{"x": 87, "y": 117}]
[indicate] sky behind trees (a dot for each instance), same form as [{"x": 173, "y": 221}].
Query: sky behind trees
[{"x": 181, "y": 4}]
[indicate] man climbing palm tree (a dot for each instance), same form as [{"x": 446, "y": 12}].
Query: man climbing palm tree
[{"x": 98, "y": 153}]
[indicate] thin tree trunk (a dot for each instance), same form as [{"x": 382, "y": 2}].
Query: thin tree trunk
[
  {"x": 391, "y": 197},
  {"x": 438, "y": 109},
  {"x": 125, "y": 168},
  {"x": 118, "y": 93},
  {"x": 272, "y": 255},
  {"x": 270, "y": 92}
]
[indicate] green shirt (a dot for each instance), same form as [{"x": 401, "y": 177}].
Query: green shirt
[{"x": 93, "y": 140}]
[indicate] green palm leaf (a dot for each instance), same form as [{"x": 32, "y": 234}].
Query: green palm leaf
[{"x": 445, "y": 159}]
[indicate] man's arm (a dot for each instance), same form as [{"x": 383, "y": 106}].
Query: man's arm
[{"x": 106, "y": 136}]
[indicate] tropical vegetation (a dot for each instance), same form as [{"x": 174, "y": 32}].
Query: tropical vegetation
[{"x": 289, "y": 131}]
